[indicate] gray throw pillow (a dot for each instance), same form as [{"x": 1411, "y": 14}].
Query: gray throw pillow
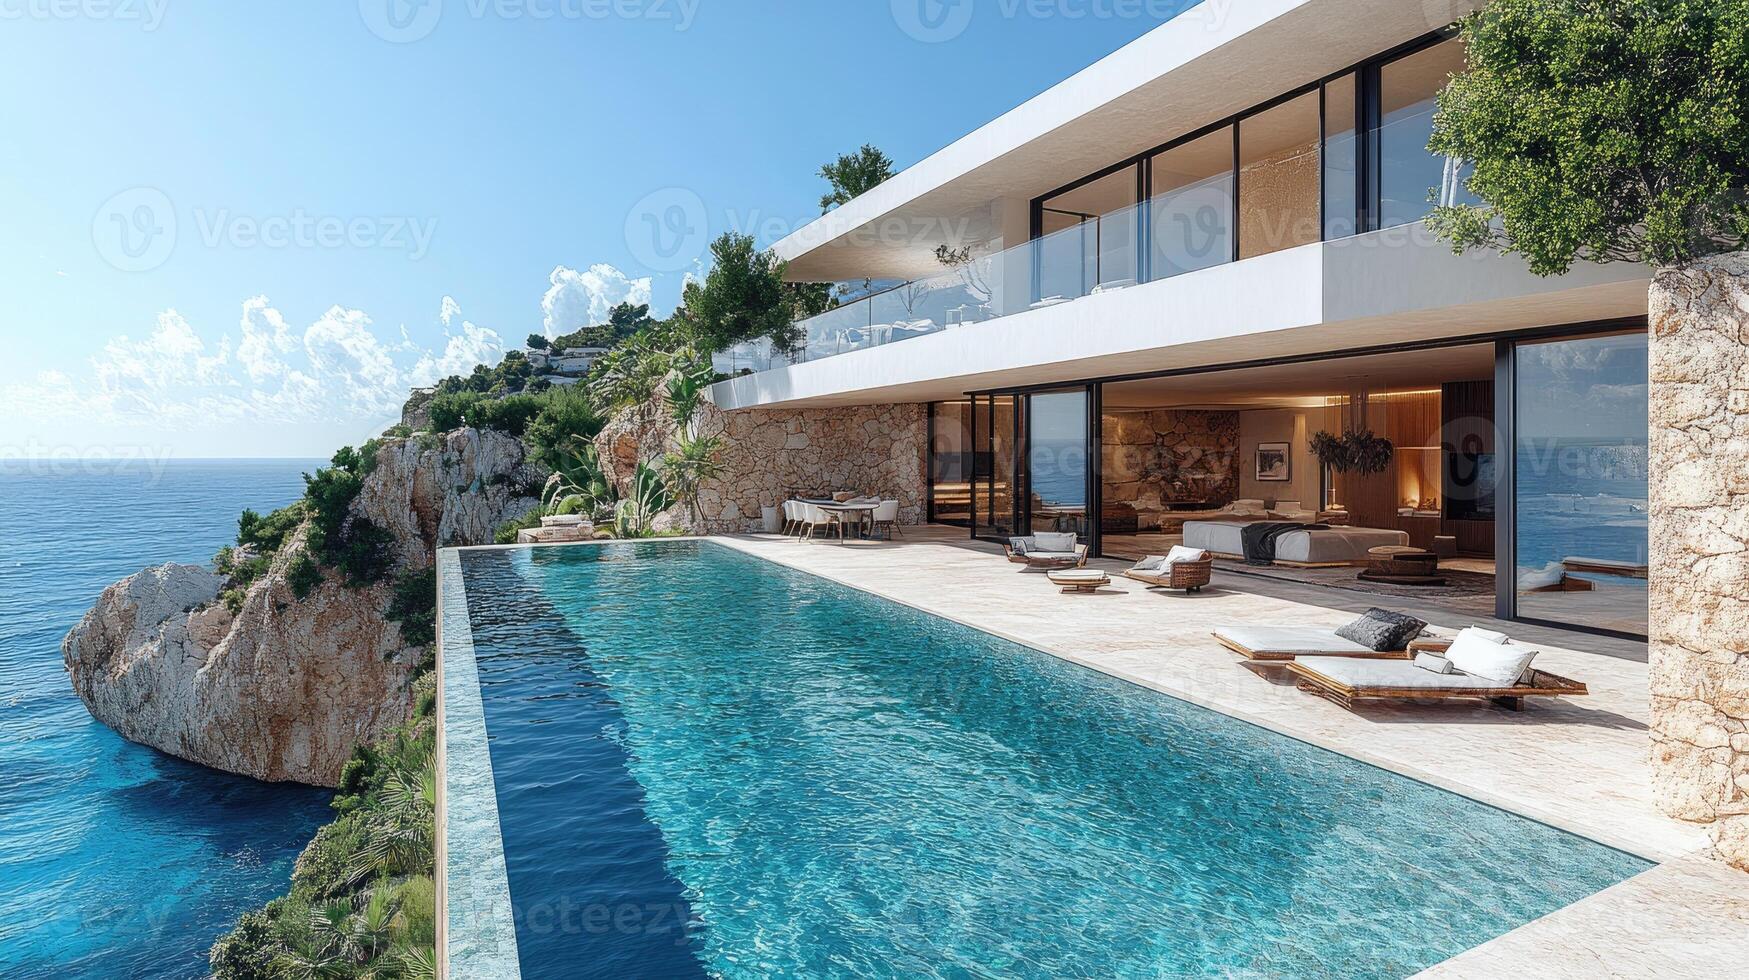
[{"x": 1381, "y": 630}]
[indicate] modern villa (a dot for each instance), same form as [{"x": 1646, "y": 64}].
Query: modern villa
[
  {"x": 1178, "y": 267},
  {"x": 1185, "y": 299}
]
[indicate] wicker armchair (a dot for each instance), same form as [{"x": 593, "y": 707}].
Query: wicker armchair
[{"x": 1189, "y": 576}]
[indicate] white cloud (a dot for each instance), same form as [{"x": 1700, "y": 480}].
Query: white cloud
[
  {"x": 581, "y": 299},
  {"x": 265, "y": 338},
  {"x": 474, "y": 345},
  {"x": 346, "y": 354}
]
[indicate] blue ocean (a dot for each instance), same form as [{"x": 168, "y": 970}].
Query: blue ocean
[{"x": 115, "y": 859}]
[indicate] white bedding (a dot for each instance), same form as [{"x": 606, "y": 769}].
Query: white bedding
[{"x": 1338, "y": 544}]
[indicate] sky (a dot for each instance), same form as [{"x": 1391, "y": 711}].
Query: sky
[{"x": 247, "y": 229}]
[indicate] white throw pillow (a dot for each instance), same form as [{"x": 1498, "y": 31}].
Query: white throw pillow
[
  {"x": 1181, "y": 553},
  {"x": 1021, "y": 546},
  {"x": 1151, "y": 563},
  {"x": 1054, "y": 541},
  {"x": 1474, "y": 653}
]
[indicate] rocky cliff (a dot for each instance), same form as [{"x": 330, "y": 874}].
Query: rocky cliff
[{"x": 283, "y": 689}]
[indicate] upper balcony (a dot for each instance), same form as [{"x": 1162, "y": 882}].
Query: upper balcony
[{"x": 1332, "y": 158}]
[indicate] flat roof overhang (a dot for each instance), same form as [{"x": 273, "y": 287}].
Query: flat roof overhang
[
  {"x": 1216, "y": 59},
  {"x": 1371, "y": 291}
]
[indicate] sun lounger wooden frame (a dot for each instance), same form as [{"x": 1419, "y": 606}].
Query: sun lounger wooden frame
[
  {"x": 1541, "y": 684},
  {"x": 1190, "y": 576},
  {"x": 1079, "y": 561},
  {"x": 1285, "y": 657}
]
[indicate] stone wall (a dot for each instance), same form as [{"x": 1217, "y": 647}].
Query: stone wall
[
  {"x": 1699, "y": 402},
  {"x": 1152, "y": 457},
  {"x": 772, "y": 454}
]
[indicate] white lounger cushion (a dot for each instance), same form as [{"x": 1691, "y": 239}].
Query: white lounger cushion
[
  {"x": 1053, "y": 555},
  {"x": 1052, "y": 541},
  {"x": 1297, "y": 640},
  {"x": 1395, "y": 673},
  {"x": 1475, "y": 652}
]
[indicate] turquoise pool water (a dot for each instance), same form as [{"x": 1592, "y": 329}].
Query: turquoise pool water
[{"x": 707, "y": 764}]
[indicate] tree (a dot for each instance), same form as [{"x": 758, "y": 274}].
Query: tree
[
  {"x": 1601, "y": 130},
  {"x": 743, "y": 297},
  {"x": 537, "y": 342},
  {"x": 855, "y": 174}
]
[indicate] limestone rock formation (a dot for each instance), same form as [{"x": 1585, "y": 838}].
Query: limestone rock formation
[
  {"x": 1699, "y": 589},
  {"x": 285, "y": 688}
]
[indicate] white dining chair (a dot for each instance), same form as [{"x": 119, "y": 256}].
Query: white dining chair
[{"x": 886, "y": 518}]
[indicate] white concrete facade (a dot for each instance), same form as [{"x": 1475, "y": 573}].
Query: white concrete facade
[{"x": 1394, "y": 286}]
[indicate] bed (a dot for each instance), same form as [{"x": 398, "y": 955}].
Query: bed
[{"x": 1335, "y": 546}]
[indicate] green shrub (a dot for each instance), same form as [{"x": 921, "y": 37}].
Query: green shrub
[
  {"x": 414, "y": 607},
  {"x": 567, "y": 416},
  {"x": 267, "y": 534},
  {"x": 356, "y": 547},
  {"x": 323, "y": 871},
  {"x": 506, "y": 533},
  {"x": 250, "y": 951},
  {"x": 233, "y": 599},
  {"x": 303, "y": 575}
]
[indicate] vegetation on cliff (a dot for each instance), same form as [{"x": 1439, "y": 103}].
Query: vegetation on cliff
[{"x": 362, "y": 900}]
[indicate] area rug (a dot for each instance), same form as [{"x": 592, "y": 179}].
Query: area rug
[{"x": 1459, "y": 585}]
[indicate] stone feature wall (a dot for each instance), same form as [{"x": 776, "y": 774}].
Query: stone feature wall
[
  {"x": 1699, "y": 403},
  {"x": 770, "y": 455},
  {"x": 1153, "y": 457}
]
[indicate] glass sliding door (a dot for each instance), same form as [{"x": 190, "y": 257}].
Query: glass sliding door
[
  {"x": 950, "y": 463},
  {"x": 996, "y": 440},
  {"x": 1057, "y": 462},
  {"x": 1580, "y": 489}
]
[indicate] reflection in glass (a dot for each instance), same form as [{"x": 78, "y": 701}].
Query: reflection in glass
[
  {"x": 950, "y": 463},
  {"x": 1341, "y": 150},
  {"x": 1090, "y": 237},
  {"x": 1190, "y": 214},
  {"x": 1057, "y": 462},
  {"x": 994, "y": 457},
  {"x": 1278, "y": 177},
  {"x": 1411, "y": 179},
  {"x": 1581, "y": 484}
]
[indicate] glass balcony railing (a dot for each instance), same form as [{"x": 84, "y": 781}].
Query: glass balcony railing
[{"x": 1179, "y": 231}]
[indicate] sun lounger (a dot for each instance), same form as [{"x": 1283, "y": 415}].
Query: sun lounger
[
  {"x": 1187, "y": 573},
  {"x": 1348, "y": 681},
  {"x": 1046, "y": 551},
  {"x": 1285, "y": 643}
]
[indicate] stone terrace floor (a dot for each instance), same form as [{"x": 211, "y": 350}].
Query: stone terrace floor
[{"x": 1579, "y": 764}]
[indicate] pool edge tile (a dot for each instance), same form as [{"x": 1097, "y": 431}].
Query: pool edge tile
[{"x": 479, "y": 937}]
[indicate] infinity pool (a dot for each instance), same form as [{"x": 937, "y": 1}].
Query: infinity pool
[{"x": 707, "y": 764}]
